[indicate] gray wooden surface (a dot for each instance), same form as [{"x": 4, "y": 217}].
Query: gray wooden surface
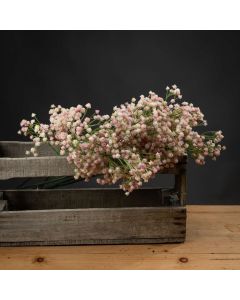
[
  {"x": 34, "y": 167},
  {"x": 89, "y": 216},
  {"x": 18, "y": 149},
  {"x": 93, "y": 226},
  {"x": 15, "y": 164}
]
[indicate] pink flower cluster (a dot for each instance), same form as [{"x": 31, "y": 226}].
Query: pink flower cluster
[{"x": 138, "y": 140}]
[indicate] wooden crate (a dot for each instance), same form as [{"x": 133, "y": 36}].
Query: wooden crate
[{"x": 84, "y": 216}]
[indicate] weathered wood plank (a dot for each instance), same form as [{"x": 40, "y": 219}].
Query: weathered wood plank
[
  {"x": 42, "y": 167},
  {"x": 15, "y": 164},
  {"x": 92, "y": 225},
  {"x": 34, "y": 167},
  {"x": 16, "y": 149},
  {"x": 83, "y": 198}
]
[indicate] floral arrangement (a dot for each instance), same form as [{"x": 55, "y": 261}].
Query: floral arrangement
[{"x": 138, "y": 140}]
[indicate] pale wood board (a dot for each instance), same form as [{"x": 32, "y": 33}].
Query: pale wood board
[
  {"x": 213, "y": 242},
  {"x": 15, "y": 164}
]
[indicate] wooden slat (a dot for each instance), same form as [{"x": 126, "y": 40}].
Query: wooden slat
[
  {"x": 15, "y": 164},
  {"x": 212, "y": 242},
  {"x": 89, "y": 226},
  {"x": 42, "y": 167},
  {"x": 34, "y": 167},
  {"x": 82, "y": 198},
  {"x": 16, "y": 149}
]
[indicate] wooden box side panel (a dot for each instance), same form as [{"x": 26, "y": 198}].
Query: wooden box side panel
[
  {"x": 34, "y": 167},
  {"x": 15, "y": 164},
  {"x": 15, "y": 149},
  {"x": 93, "y": 226}
]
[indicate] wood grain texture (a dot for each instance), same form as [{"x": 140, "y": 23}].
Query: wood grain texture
[
  {"x": 34, "y": 167},
  {"x": 15, "y": 164},
  {"x": 18, "y": 149},
  {"x": 213, "y": 242},
  {"x": 93, "y": 226},
  {"x": 89, "y": 216}
]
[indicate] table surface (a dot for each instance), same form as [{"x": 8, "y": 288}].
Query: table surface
[{"x": 213, "y": 242}]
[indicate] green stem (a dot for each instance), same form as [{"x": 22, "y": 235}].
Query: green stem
[
  {"x": 63, "y": 183},
  {"x": 44, "y": 182},
  {"x": 54, "y": 149}
]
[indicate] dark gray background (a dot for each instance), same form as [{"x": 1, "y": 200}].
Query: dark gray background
[{"x": 109, "y": 67}]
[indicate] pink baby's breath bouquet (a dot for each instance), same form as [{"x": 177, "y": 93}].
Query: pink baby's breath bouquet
[{"x": 138, "y": 140}]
